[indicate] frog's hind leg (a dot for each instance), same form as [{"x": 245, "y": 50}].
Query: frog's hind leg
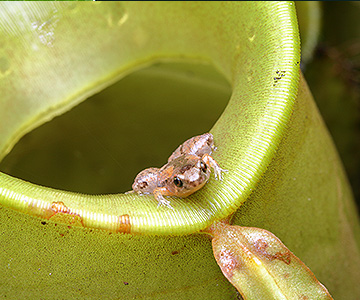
[{"x": 208, "y": 160}]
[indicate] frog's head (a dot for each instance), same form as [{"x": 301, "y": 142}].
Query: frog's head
[{"x": 184, "y": 175}]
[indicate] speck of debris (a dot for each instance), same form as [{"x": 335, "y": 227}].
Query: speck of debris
[{"x": 280, "y": 74}]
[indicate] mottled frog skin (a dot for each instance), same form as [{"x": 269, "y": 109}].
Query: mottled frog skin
[{"x": 187, "y": 171}]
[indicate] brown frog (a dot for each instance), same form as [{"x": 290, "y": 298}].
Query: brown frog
[{"x": 187, "y": 170}]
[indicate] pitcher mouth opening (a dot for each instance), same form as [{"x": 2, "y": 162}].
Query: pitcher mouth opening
[{"x": 98, "y": 146}]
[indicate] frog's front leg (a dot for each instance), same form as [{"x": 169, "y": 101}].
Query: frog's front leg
[
  {"x": 158, "y": 194},
  {"x": 208, "y": 160}
]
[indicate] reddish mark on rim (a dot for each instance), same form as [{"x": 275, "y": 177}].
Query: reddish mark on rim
[
  {"x": 59, "y": 208},
  {"x": 124, "y": 224}
]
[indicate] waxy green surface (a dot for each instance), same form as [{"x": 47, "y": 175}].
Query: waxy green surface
[{"x": 281, "y": 161}]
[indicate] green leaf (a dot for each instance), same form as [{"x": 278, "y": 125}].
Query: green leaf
[{"x": 260, "y": 266}]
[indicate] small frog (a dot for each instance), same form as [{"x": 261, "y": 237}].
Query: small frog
[{"x": 187, "y": 170}]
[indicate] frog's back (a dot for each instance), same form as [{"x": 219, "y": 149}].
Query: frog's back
[{"x": 197, "y": 145}]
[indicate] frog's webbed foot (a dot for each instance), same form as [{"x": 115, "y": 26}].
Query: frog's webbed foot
[
  {"x": 218, "y": 172},
  {"x": 160, "y": 198},
  {"x": 213, "y": 164},
  {"x": 163, "y": 201}
]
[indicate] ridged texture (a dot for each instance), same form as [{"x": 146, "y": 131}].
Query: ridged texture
[{"x": 262, "y": 65}]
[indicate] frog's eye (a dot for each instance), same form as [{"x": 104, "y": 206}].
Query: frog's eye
[
  {"x": 203, "y": 167},
  {"x": 178, "y": 182}
]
